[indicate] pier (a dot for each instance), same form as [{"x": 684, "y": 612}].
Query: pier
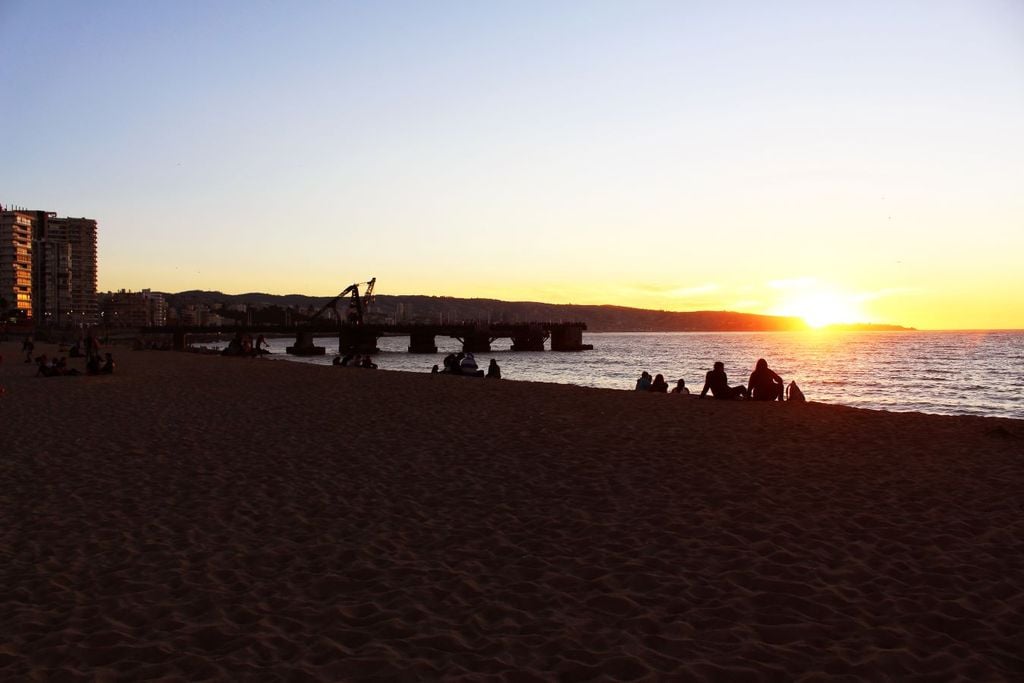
[{"x": 362, "y": 338}]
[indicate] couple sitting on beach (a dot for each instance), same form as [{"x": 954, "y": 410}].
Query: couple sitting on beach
[{"x": 764, "y": 385}]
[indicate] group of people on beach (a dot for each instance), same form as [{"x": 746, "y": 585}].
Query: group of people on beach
[
  {"x": 242, "y": 345},
  {"x": 87, "y": 347},
  {"x": 658, "y": 385},
  {"x": 353, "y": 360},
  {"x": 464, "y": 364},
  {"x": 764, "y": 385}
]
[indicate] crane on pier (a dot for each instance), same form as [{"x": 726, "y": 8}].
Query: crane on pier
[{"x": 357, "y": 305}]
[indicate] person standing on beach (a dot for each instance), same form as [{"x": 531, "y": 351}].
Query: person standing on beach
[
  {"x": 718, "y": 382},
  {"x": 764, "y": 384}
]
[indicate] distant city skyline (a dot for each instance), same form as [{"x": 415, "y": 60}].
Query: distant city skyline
[{"x": 843, "y": 162}]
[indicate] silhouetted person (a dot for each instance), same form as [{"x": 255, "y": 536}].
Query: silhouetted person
[
  {"x": 108, "y": 366},
  {"x": 368, "y": 363},
  {"x": 659, "y": 385},
  {"x": 793, "y": 393},
  {"x": 680, "y": 388},
  {"x": 92, "y": 346},
  {"x": 718, "y": 382},
  {"x": 468, "y": 364},
  {"x": 347, "y": 360},
  {"x": 234, "y": 347},
  {"x": 764, "y": 384},
  {"x": 451, "y": 364},
  {"x": 493, "y": 370},
  {"x": 644, "y": 383}
]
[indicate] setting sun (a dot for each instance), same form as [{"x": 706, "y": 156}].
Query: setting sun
[{"x": 822, "y": 308}]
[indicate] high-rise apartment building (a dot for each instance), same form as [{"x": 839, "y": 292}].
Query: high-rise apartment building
[
  {"x": 48, "y": 267},
  {"x": 80, "y": 235},
  {"x": 16, "y": 263}
]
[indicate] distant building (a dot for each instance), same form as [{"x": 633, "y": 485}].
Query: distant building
[{"x": 134, "y": 309}]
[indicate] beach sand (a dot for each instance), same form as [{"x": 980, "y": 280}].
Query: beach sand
[{"x": 203, "y": 518}]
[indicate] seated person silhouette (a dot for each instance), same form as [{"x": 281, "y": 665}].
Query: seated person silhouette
[
  {"x": 764, "y": 385},
  {"x": 718, "y": 382},
  {"x": 644, "y": 383}
]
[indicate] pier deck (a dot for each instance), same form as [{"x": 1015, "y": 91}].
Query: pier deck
[{"x": 474, "y": 336}]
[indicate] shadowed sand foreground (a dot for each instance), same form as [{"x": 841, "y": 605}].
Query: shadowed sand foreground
[{"x": 205, "y": 518}]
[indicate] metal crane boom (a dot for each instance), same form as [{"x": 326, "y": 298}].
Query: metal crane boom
[{"x": 357, "y": 305}]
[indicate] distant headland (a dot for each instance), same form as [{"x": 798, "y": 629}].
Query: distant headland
[{"x": 599, "y": 318}]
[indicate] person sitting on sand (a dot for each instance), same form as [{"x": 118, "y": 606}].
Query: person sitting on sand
[
  {"x": 368, "y": 363},
  {"x": 644, "y": 383},
  {"x": 448, "y": 362},
  {"x": 680, "y": 388},
  {"x": 347, "y": 360},
  {"x": 467, "y": 366},
  {"x": 234, "y": 347},
  {"x": 493, "y": 371},
  {"x": 659, "y": 385},
  {"x": 718, "y": 382},
  {"x": 108, "y": 365},
  {"x": 764, "y": 384}
]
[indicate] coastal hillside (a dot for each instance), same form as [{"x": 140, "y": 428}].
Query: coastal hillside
[{"x": 597, "y": 318}]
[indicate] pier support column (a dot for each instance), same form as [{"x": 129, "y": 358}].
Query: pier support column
[
  {"x": 178, "y": 341},
  {"x": 568, "y": 339},
  {"x": 422, "y": 342},
  {"x": 357, "y": 340},
  {"x": 304, "y": 345},
  {"x": 477, "y": 342},
  {"x": 531, "y": 340}
]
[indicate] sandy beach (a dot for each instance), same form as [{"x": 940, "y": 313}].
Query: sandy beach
[{"x": 203, "y": 518}]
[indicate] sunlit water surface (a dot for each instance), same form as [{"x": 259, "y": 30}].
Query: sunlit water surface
[{"x": 958, "y": 373}]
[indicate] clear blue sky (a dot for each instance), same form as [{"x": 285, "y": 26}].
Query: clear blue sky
[{"x": 865, "y": 157}]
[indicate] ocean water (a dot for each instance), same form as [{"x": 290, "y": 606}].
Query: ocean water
[{"x": 955, "y": 373}]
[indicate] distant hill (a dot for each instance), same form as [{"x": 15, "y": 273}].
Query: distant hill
[{"x": 597, "y": 318}]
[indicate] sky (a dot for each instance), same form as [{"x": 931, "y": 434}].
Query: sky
[{"x": 843, "y": 161}]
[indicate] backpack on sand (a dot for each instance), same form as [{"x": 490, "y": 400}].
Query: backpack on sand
[{"x": 793, "y": 393}]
